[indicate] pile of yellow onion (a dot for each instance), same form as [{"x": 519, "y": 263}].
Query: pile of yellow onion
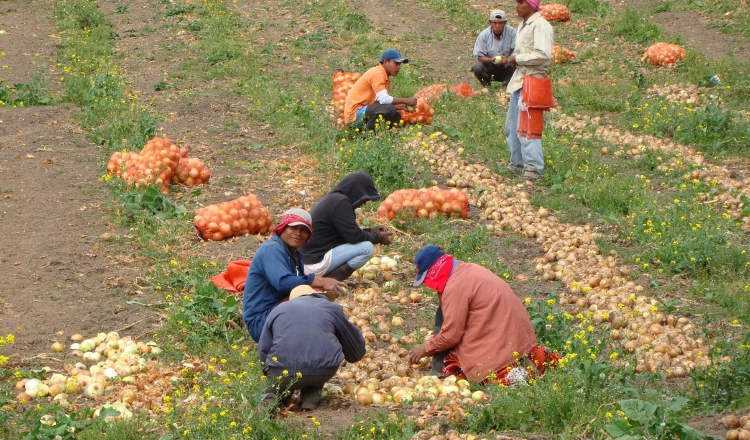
[
  {"x": 385, "y": 376},
  {"x": 738, "y": 427},
  {"x": 114, "y": 372},
  {"x": 599, "y": 286},
  {"x": 385, "y": 265},
  {"x": 682, "y": 157}
]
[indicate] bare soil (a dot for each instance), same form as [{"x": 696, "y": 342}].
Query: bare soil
[
  {"x": 694, "y": 29},
  {"x": 67, "y": 267}
]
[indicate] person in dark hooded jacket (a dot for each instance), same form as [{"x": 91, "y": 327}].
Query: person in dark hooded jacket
[{"x": 340, "y": 246}]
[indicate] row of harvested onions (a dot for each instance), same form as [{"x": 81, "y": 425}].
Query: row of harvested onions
[
  {"x": 596, "y": 285},
  {"x": 691, "y": 162},
  {"x": 385, "y": 376},
  {"x": 113, "y": 359}
]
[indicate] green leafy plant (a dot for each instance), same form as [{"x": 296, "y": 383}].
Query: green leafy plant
[
  {"x": 391, "y": 167},
  {"x": 151, "y": 200},
  {"x": 211, "y": 313},
  {"x": 726, "y": 381},
  {"x": 382, "y": 427},
  {"x": 65, "y": 426},
  {"x": 25, "y": 94},
  {"x": 646, "y": 419},
  {"x": 636, "y": 27}
]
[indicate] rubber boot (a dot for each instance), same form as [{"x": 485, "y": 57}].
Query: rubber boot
[
  {"x": 437, "y": 363},
  {"x": 310, "y": 398},
  {"x": 341, "y": 273}
]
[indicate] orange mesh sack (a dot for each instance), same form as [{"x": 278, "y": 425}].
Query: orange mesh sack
[
  {"x": 241, "y": 216},
  {"x": 422, "y": 114},
  {"x": 463, "y": 90},
  {"x": 555, "y": 12},
  {"x": 561, "y": 55},
  {"x": 537, "y": 92},
  {"x": 160, "y": 163},
  {"x": 342, "y": 82},
  {"x": 431, "y": 93},
  {"x": 663, "y": 54},
  {"x": 426, "y": 203}
]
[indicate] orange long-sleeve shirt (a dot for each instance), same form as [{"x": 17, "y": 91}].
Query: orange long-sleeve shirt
[{"x": 485, "y": 323}]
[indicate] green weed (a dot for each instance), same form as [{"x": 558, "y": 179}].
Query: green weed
[
  {"x": 210, "y": 314},
  {"x": 392, "y": 168},
  {"x": 652, "y": 420},
  {"x": 383, "y": 427},
  {"x": 636, "y": 27},
  {"x": 22, "y": 94},
  {"x": 588, "y": 7},
  {"x": 706, "y": 124},
  {"x": 726, "y": 382},
  {"x": 151, "y": 200}
]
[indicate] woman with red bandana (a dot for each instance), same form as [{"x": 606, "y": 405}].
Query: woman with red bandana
[
  {"x": 277, "y": 268},
  {"x": 482, "y": 330}
]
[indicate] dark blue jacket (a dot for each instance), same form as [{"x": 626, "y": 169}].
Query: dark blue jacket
[
  {"x": 273, "y": 274},
  {"x": 334, "y": 220},
  {"x": 309, "y": 335}
]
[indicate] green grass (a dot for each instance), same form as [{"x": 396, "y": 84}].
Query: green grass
[
  {"x": 660, "y": 222},
  {"x": 35, "y": 92}
]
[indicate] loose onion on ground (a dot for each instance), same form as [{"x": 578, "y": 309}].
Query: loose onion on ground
[{"x": 241, "y": 216}]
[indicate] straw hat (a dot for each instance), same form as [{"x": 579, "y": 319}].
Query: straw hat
[{"x": 305, "y": 289}]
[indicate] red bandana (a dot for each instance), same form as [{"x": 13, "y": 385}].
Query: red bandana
[
  {"x": 438, "y": 273},
  {"x": 292, "y": 218}
]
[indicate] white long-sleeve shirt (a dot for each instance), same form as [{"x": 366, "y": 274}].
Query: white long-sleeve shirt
[{"x": 533, "y": 50}]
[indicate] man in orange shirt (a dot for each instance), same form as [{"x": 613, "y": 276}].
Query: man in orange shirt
[
  {"x": 482, "y": 330},
  {"x": 370, "y": 99}
]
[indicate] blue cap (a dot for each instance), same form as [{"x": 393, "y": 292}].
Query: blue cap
[
  {"x": 424, "y": 261},
  {"x": 393, "y": 54}
]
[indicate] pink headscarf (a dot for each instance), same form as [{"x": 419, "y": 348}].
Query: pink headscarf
[
  {"x": 534, "y": 4},
  {"x": 294, "y": 217}
]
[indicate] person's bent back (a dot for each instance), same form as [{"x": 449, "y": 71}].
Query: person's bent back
[{"x": 303, "y": 344}]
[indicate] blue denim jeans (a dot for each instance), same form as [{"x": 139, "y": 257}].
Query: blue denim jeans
[
  {"x": 355, "y": 255},
  {"x": 525, "y": 154}
]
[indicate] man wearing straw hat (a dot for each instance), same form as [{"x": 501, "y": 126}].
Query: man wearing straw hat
[{"x": 303, "y": 343}]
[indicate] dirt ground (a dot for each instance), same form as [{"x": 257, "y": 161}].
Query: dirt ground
[
  {"x": 67, "y": 268},
  {"x": 694, "y": 29}
]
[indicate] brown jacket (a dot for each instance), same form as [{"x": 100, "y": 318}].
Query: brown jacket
[{"x": 485, "y": 323}]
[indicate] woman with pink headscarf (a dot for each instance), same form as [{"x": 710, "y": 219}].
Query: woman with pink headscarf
[
  {"x": 524, "y": 126},
  {"x": 277, "y": 268}
]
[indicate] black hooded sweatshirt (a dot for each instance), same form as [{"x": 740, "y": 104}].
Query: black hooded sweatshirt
[{"x": 334, "y": 221}]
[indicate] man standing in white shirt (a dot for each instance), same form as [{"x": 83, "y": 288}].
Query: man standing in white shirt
[{"x": 523, "y": 127}]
